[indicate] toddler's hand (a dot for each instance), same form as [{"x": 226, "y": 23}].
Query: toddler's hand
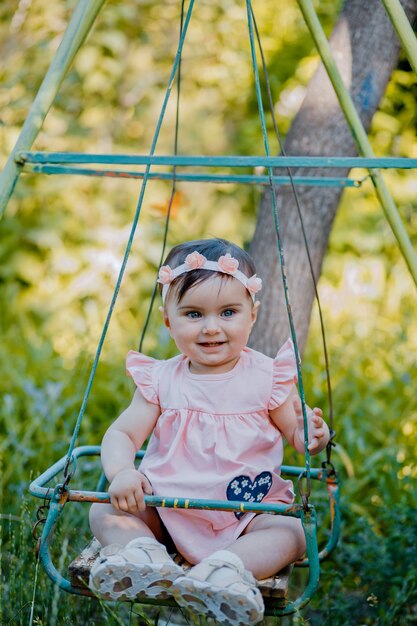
[
  {"x": 127, "y": 491},
  {"x": 316, "y": 428}
]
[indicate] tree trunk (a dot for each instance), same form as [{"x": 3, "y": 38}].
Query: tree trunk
[{"x": 366, "y": 49}]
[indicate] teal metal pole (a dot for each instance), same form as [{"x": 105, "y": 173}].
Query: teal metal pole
[
  {"x": 403, "y": 29},
  {"x": 309, "y": 521},
  {"x": 56, "y": 507},
  {"x": 359, "y": 135},
  {"x": 76, "y": 32}
]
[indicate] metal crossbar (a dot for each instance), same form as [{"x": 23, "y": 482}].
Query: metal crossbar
[
  {"x": 253, "y": 179},
  {"x": 218, "y": 160}
]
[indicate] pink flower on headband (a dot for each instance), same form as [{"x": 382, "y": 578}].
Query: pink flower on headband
[
  {"x": 166, "y": 275},
  {"x": 195, "y": 260},
  {"x": 254, "y": 284},
  {"x": 228, "y": 264}
]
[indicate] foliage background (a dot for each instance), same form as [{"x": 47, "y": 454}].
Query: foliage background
[{"x": 61, "y": 245}]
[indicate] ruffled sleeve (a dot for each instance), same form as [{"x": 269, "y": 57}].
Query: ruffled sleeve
[
  {"x": 142, "y": 369},
  {"x": 284, "y": 375}
]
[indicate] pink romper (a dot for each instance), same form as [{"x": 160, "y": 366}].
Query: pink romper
[{"x": 214, "y": 439}]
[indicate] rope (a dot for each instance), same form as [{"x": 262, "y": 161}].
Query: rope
[
  {"x": 129, "y": 243},
  {"x": 306, "y": 245},
  {"x": 173, "y": 189},
  {"x": 305, "y": 495}
]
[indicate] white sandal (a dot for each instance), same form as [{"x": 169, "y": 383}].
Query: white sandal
[
  {"x": 221, "y": 588},
  {"x": 142, "y": 568}
]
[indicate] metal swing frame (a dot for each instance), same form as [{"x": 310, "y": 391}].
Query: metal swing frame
[{"x": 22, "y": 159}]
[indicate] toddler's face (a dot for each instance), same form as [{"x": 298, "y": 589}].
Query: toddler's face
[{"x": 212, "y": 323}]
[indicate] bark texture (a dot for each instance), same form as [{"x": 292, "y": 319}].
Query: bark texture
[{"x": 366, "y": 49}]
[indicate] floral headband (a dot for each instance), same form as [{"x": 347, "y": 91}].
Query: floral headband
[{"x": 196, "y": 261}]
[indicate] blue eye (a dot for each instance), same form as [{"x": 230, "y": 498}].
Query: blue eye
[
  {"x": 193, "y": 315},
  {"x": 228, "y": 313}
]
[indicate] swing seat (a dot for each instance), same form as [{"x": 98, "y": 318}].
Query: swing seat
[
  {"x": 273, "y": 589},
  {"x": 79, "y": 572}
]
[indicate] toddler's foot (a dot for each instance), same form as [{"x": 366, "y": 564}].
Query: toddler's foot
[
  {"x": 141, "y": 568},
  {"x": 220, "y": 587}
]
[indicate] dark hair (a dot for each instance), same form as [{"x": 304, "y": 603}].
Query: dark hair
[{"x": 212, "y": 249}]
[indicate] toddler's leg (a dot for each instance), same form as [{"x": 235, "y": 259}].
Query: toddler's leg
[
  {"x": 133, "y": 562},
  {"x": 269, "y": 543},
  {"x": 112, "y": 526}
]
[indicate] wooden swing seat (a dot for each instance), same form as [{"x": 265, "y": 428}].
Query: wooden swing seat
[{"x": 79, "y": 572}]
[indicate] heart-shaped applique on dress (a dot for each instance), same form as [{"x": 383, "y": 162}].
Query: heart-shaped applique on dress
[{"x": 243, "y": 488}]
